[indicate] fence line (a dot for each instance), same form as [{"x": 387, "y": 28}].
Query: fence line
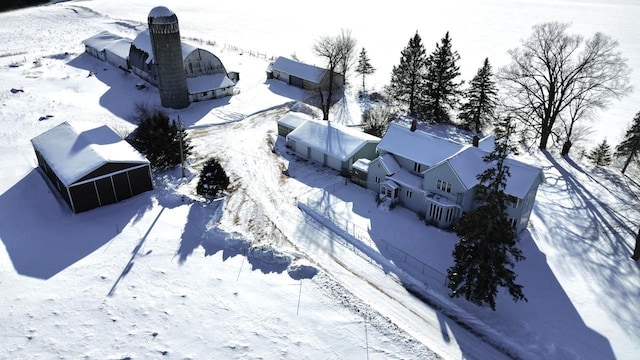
[{"x": 413, "y": 265}]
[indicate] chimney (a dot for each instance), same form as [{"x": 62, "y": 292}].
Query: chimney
[
  {"x": 476, "y": 140},
  {"x": 414, "y": 125}
]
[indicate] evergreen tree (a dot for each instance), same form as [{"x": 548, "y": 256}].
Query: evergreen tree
[
  {"x": 163, "y": 142},
  {"x": 484, "y": 256},
  {"x": 408, "y": 78},
  {"x": 601, "y": 154},
  {"x": 213, "y": 179},
  {"x": 630, "y": 145},
  {"x": 479, "y": 110},
  {"x": 443, "y": 92},
  {"x": 364, "y": 66}
]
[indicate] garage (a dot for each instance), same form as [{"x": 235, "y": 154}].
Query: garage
[
  {"x": 332, "y": 145},
  {"x": 91, "y": 166}
]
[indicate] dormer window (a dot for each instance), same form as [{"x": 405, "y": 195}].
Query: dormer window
[{"x": 417, "y": 167}]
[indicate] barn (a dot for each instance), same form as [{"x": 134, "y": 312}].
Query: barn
[
  {"x": 109, "y": 47},
  {"x": 91, "y": 166},
  {"x": 332, "y": 145},
  {"x": 302, "y": 75},
  {"x": 206, "y": 76}
]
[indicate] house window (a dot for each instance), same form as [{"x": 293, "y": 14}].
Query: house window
[
  {"x": 513, "y": 222},
  {"x": 417, "y": 167},
  {"x": 514, "y": 201},
  {"x": 409, "y": 193},
  {"x": 435, "y": 212},
  {"x": 377, "y": 180},
  {"x": 449, "y": 215},
  {"x": 444, "y": 186}
]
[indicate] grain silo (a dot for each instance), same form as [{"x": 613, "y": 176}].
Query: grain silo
[{"x": 167, "y": 53}]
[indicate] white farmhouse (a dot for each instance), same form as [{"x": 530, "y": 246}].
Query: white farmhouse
[{"x": 437, "y": 178}]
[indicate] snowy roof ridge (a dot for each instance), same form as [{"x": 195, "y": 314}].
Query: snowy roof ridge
[
  {"x": 331, "y": 138},
  {"x": 304, "y": 71},
  {"x": 417, "y": 146},
  {"x": 73, "y": 152}
]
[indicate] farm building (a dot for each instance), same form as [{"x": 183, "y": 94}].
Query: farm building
[
  {"x": 187, "y": 73},
  {"x": 332, "y": 145},
  {"x": 206, "y": 76},
  {"x": 290, "y": 122},
  {"x": 91, "y": 167},
  {"x": 302, "y": 75},
  {"x": 109, "y": 47}
]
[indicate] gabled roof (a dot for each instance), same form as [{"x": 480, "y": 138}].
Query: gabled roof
[
  {"x": 72, "y": 153},
  {"x": 396, "y": 173},
  {"x": 293, "y": 119},
  {"x": 469, "y": 162},
  {"x": 332, "y": 139},
  {"x": 103, "y": 40},
  {"x": 417, "y": 146},
  {"x": 304, "y": 71}
]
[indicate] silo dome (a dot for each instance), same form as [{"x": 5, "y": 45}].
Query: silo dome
[{"x": 162, "y": 15}]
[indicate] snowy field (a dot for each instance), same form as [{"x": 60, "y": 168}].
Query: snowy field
[{"x": 163, "y": 275}]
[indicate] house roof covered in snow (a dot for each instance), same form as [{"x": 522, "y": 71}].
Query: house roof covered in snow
[
  {"x": 74, "y": 152},
  {"x": 332, "y": 139},
  {"x": 469, "y": 162},
  {"x": 417, "y": 146},
  {"x": 304, "y": 71}
]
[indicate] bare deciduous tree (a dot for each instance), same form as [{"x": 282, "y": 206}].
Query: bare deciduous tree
[
  {"x": 338, "y": 52},
  {"x": 554, "y": 74}
]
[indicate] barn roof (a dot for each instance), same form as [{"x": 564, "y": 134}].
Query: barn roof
[
  {"x": 106, "y": 40},
  {"x": 204, "y": 83},
  {"x": 73, "y": 152},
  {"x": 330, "y": 138},
  {"x": 143, "y": 43},
  {"x": 304, "y": 71}
]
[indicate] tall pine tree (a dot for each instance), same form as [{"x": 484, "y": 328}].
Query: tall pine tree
[
  {"x": 479, "y": 110},
  {"x": 364, "y": 67},
  {"x": 630, "y": 145},
  {"x": 443, "y": 92},
  {"x": 601, "y": 154},
  {"x": 408, "y": 78},
  {"x": 485, "y": 254}
]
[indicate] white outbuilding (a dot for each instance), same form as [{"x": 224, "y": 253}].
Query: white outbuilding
[{"x": 331, "y": 144}]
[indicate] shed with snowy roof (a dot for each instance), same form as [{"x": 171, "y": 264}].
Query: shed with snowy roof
[
  {"x": 302, "y": 75},
  {"x": 332, "y": 145},
  {"x": 91, "y": 166},
  {"x": 109, "y": 47}
]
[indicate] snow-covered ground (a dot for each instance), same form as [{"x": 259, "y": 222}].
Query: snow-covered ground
[{"x": 252, "y": 276}]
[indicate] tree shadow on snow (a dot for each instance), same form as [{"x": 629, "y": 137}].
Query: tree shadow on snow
[
  {"x": 601, "y": 246},
  {"x": 43, "y": 237},
  {"x": 419, "y": 255}
]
